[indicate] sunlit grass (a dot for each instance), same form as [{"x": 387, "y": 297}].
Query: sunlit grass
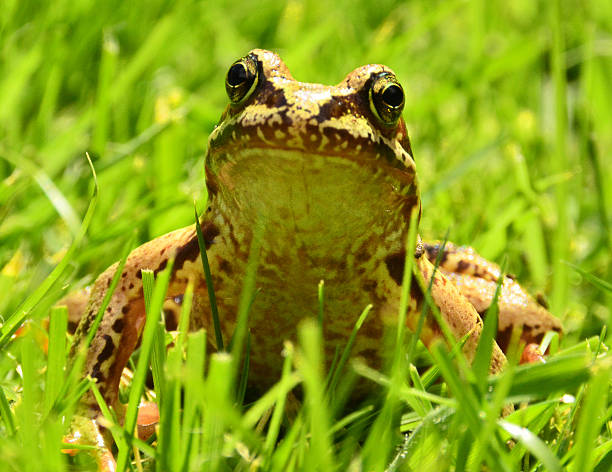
[{"x": 509, "y": 107}]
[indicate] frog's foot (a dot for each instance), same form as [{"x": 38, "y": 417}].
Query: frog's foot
[
  {"x": 532, "y": 354},
  {"x": 457, "y": 312},
  {"x": 86, "y": 431},
  {"x": 147, "y": 420},
  {"x": 477, "y": 280}
]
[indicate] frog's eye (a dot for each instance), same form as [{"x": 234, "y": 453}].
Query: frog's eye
[
  {"x": 241, "y": 79},
  {"x": 386, "y": 98}
]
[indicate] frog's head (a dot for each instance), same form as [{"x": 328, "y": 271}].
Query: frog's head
[{"x": 283, "y": 148}]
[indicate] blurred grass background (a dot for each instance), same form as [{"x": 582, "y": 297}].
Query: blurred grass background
[{"x": 509, "y": 107}]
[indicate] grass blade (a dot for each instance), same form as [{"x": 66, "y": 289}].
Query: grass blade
[
  {"x": 6, "y": 414},
  {"x": 484, "y": 350},
  {"x": 148, "y": 336},
  {"x": 158, "y": 354},
  {"x": 80, "y": 353},
  {"x": 592, "y": 416},
  {"x": 58, "y": 326},
  {"x": 15, "y": 320},
  {"x": 347, "y": 348},
  {"x": 593, "y": 279},
  {"x": 209, "y": 284},
  {"x": 534, "y": 444}
]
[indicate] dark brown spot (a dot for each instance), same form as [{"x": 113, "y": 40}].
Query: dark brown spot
[
  {"x": 275, "y": 98},
  {"x": 209, "y": 232},
  {"x": 160, "y": 267},
  {"x": 188, "y": 252},
  {"x": 124, "y": 275},
  {"x": 211, "y": 183},
  {"x": 369, "y": 285},
  {"x": 334, "y": 109},
  {"x": 108, "y": 282},
  {"x": 191, "y": 250},
  {"x": 225, "y": 266},
  {"x": 109, "y": 309},
  {"x": 335, "y": 336},
  {"x": 463, "y": 266},
  {"x": 395, "y": 266},
  {"x": 362, "y": 256},
  {"x": 433, "y": 250},
  {"x": 139, "y": 274},
  {"x": 369, "y": 354},
  {"x": 107, "y": 352},
  {"x": 118, "y": 325},
  {"x": 131, "y": 286},
  {"x": 541, "y": 300},
  {"x": 529, "y": 339},
  {"x": 235, "y": 243},
  {"x": 86, "y": 323},
  {"x": 416, "y": 293},
  {"x": 98, "y": 375},
  {"x": 433, "y": 327},
  {"x": 161, "y": 253},
  {"x": 171, "y": 319},
  {"x": 372, "y": 329},
  {"x": 72, "y": 326},
  {"x": 125, "y": 309}
]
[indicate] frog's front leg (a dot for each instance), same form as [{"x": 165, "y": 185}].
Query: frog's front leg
[
  {"x": 458, "y": 313},
  {"x": 123, "y": 320},
  {"x": 477, "y": 279}
]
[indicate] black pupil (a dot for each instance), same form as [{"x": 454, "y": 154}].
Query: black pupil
[
  {"x": 236, "y": 75},
  {"x": 393, "y": 95}
]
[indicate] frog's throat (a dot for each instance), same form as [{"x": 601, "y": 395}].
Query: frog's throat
[{"x": 324, "y": 203}]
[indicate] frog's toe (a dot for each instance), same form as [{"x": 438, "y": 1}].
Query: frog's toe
[
  {"x": 86, "y": 431},
  {"x": 532, "y": 354},
  {"x": 148, "y": 419}
]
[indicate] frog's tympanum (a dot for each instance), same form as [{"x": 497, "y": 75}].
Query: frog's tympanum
[{"x": 327, "y": 172}]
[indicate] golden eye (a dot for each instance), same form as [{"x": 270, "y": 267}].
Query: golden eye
[
  {"x": 386, "y": 98},
  {"x": 241, "y": 79}
]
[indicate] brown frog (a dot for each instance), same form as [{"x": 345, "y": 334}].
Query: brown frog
[{"x": 328, "y": 173}]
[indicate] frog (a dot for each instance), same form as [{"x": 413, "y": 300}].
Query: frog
[{"x": 325, "y": 177}]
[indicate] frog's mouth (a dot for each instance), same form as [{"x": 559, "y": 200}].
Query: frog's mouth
[{"x": 312, "y": 197}]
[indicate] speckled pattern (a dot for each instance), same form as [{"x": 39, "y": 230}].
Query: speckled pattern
[
  {"x": 333, "y": 187},
  {"x": 477, "y": 279}
]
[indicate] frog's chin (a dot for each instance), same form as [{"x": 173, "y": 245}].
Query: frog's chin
[{"x": 314, "y": 197}]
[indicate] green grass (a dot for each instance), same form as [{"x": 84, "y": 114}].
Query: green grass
[{"x": 509, "y": 109}]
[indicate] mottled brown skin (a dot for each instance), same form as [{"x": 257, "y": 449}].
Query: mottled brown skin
[
  {"x": 477, "y": 279},
  {"x": 333, "y": 187}
]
